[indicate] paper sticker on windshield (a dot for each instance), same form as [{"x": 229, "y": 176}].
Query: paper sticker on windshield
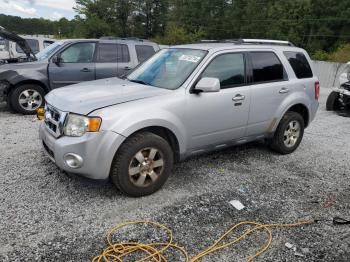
[{"x": 189, "y": 58}]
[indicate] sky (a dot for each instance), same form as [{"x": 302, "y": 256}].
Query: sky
[{"x": 49, "y": 9}]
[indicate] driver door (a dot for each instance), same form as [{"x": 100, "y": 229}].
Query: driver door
[
  {"x": 75, "y": 65},
  {"x": 220, "y": 117}
]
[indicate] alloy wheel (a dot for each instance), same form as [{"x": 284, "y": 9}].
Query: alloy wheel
[
  {"x": 146, "y": 167},
  {"x": 30, "y": 100}
]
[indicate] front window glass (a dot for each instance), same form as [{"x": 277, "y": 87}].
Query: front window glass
[
  {"x": 46, "y": 53},
  {"x": 169, "y": 68},
  {"x": 228, "y": 68},
  {"x": 78, "y": 53}
]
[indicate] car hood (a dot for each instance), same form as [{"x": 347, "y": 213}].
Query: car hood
[
  {"x": 23, "y": 66},
  {"x": 87, "y": 97}
]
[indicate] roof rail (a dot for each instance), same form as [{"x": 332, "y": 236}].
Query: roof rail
[
  {"x": 121, "y": 38},
  {"x": 264, "y": 42}
]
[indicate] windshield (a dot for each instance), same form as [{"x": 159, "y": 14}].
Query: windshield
[
  {"x": 46, "y": 52},
  {"x": 169, "y": 68}
]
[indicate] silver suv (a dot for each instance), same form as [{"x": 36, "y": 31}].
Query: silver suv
[{"x": 183, "y": 101}]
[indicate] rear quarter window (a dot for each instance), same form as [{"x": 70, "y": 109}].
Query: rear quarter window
[
  {"x": 299, "y": 64},
  {"x": 267, "y": 67}
]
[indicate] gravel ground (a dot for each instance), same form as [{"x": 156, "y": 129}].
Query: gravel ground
[{"x": 48, "y": 215}]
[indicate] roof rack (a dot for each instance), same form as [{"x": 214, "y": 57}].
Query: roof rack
[
  {"x": 250, "y": 41},
  {"x": 121, "y": 38},
  {"x": 264, "y": 42}
]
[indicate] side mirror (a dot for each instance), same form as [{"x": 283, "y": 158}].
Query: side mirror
[
  {"x": 208, "y": 84},
  {"x": 56, "y": 60}
]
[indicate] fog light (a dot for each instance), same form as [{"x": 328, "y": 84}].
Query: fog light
[{"x": 73, "y": 160}]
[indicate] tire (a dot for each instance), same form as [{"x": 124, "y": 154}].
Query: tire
[
  {"x": 280, "y": 141},
  {"x": 333, "y": 103},
  {"x": 132, "y": 176},
  {"x": 8, "y": 102},
  {"x": 33, "y": 94}
]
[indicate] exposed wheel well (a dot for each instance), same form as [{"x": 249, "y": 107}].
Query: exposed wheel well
[
  {"x": 302, "y": 110},
  {"x": 167, "y": 134},
  {"x": 26, "y": 82}
]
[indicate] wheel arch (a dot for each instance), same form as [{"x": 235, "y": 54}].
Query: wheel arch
[
  {"x": 302, "y": 110},
  {"x": 163, "y": 132},
  {"x": 28, "y": 82}
]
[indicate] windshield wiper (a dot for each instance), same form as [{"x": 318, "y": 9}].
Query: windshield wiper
[{"x": 139, "y": 82}]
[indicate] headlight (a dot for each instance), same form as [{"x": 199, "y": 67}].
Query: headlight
[{"x": 77, "y": 125}]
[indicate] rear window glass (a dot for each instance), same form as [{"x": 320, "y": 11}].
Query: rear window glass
[
  {"x": 144, "y": 52},
  {"x": 299, "y": 64},
  {"x": 123, "y": 53},
  {"x": 107, "y": 53},
  {"x": 267, "y": 67},
  {"x": 33, "y": 43}
]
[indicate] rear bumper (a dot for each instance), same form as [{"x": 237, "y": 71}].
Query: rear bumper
[{"x": 96, "y": 149}]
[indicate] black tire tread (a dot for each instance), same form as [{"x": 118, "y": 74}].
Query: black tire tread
[
  {"x": 276, "y": 143},
  {"x": 13, "y": 97},
  {"x": 332, "y": 103},
  {"x": 122, "y": 154}
]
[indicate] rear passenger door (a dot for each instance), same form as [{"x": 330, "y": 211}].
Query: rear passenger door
[
  {"x": 106, "y": 60},
  {"x": 269, "y": 88},
  {"x": 125, "y": 64}
]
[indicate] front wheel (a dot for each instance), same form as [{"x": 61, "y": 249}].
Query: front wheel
[
  {"x": 27, "y": 98},
  {"x": 289, "y": 133},
  {"x": 142, "y": 164}
]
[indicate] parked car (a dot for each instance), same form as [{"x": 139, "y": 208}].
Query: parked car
[
  {"x": 69, "y": 62},
  {"x": 183, "y": 101},
  {"x": 339, "y": 98},
  {"x": 15, "y": 48}
]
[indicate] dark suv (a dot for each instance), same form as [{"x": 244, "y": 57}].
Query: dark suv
[{"x": 68, "y": 62}]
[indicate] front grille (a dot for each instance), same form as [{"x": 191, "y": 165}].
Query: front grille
[{"x": 54, "y": 120}]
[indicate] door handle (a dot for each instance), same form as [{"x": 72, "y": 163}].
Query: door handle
[
  {"x": 85, "y": 70},
  {"x": 127, "y": 68},
  {"x": 238, "y": 98},
  {"x": 284, "y": 90}
]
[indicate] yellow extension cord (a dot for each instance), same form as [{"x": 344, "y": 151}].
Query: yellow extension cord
[{"x": 155, "y": 251}]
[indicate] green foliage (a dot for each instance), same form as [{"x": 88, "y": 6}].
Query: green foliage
[
  {"x": 340, "y": 55},
  {"x": 320, "y": 26},
  {"x": 175, "y": 35},
  {"x": 320, "y": 55}
]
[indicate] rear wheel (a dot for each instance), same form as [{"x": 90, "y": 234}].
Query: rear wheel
[
  {"x": 289, "y": 133},
  {"x": 333, "y": 103},
  {"x": 27, "y": 98},
  {"x": 142, "y": 164}
]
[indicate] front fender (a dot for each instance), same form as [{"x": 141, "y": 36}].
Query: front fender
[
  {"x": 128, "y": 123},
  {"x": 14, "y": 77}
]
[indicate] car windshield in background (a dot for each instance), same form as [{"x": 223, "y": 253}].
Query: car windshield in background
[
  {"x": 169, "y": 68},
  {"x": 46, "y": 53}
]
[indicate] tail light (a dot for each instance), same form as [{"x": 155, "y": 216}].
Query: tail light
[{"x": 317, "y": 90}]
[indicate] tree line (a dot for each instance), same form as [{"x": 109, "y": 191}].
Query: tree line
[{"x": 317, "y": 25}]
